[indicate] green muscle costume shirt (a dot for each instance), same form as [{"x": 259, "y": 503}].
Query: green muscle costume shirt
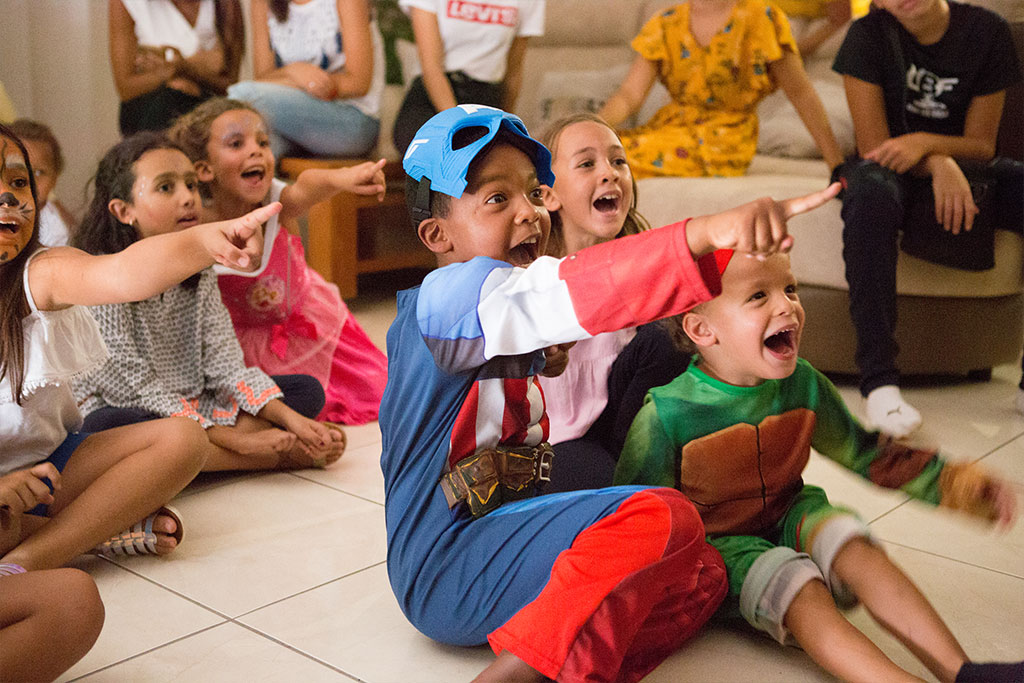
[{"x": 738, "y": 452}]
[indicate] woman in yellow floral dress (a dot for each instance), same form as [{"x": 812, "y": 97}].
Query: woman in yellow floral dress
[{"x": 718, "y": 59}]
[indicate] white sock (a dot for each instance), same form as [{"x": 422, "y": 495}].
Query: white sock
[
  {"x": 1020, "y": 401},
  {"x": 890, "y": 414}
]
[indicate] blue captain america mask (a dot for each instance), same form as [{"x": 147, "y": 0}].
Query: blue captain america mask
[{"x": 431, "y": 155}]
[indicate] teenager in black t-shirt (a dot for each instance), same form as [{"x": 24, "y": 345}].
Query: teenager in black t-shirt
[{"x": 925, "y": 82}]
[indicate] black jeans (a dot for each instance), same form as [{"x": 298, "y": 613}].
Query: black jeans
[
  {"x": 156, "y": 110},
  {"x": 302, "y": 393},
  {"x": 417, "y": 108},
  {"x": 650, "y": 360},
  {"x": 875, "y": 202}
]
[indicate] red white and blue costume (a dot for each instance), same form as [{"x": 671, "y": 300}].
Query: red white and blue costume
[{"x": 600, "y": 584}]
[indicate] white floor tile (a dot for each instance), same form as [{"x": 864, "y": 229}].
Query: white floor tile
[
  {"x": 357, "y": 472},
  {"x": 225, "y": 653},
  {"x": 956, "y": 536},
  {"x": 1008, "y": 462},
  {"x": 139, "y": 615},
  {"x": 355, "y": 624},
  {"x": 264, "y": 538},
  {"x": 722, "y": 654}
]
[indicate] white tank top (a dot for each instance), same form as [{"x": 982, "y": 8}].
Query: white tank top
[
  {"x": 59, "y": 346},
  {"x": 312, "y": 33},
  {"x": 159, "y": 23}
]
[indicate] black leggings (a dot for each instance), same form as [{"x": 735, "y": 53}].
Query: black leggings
[
  {"x": 156, "y": 110},
  {"x": 302, "y": 393},
  {"x": 874, "y": 208},
  {"x": 650, "y": 360},
  {"x": 417, "y": 107}
]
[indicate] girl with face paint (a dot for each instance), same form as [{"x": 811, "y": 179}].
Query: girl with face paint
[
  {"x": 63, "y": 492},
  {"x": 176, "y": 354}
]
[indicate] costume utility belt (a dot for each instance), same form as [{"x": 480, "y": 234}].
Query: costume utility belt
[{"x": 493, "y": 476}]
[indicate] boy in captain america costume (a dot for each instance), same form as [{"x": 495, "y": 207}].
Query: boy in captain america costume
[{"x": 599, "y": 585}]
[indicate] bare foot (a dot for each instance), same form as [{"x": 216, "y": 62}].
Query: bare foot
[
  {"x": 272, "y": 441},
  {"x": 334, "y": 450}
]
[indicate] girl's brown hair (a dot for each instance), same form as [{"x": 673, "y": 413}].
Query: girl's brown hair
[
  {"x": 634, "y": 223},
  {"x": 191, "y": 131},
  {"x": 13, "y": 303},
  {"x": 280, "y": 9}
]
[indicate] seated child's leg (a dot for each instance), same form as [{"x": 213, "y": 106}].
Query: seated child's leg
[
  {"x": 112, "y": 480},
  {"x": 647, "y": 560},
  {"x": 833, "y": 642},
  {"x": 897, "y": 604},
  {"x": 781, "y": 591},
  {"x": 839, "y": 544},
  {"x": 302, "y": 393},
  {"x": 48, "y": 621}
]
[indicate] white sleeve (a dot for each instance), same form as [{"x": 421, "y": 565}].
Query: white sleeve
[
  {"x": 432, "y": 6},
  {"x": 531, "y": 18}
]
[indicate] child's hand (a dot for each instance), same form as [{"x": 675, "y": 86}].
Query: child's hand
[
  {"x": 22, "y": 490},
  {"x": 556, "y": 359},
  {"x": 899, "y": 154},
  {"x": 969, "y": 488},
  {"x": 238, "y": 243},
  {"x": 367, "y": 178},
  {"x": 318, "y": 441},
  {"x": 758, "y": 227}
]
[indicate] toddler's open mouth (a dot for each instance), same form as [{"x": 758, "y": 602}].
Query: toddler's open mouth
[{"x": 782, "y": 344}]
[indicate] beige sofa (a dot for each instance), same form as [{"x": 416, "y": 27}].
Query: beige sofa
[{"x": 950, "y": 321}]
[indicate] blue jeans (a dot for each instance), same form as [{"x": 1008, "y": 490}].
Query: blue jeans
[{"x": 302, "y": 125}]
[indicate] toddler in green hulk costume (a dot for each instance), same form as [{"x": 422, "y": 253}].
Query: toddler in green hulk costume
[{"x": 734, "y": 433}]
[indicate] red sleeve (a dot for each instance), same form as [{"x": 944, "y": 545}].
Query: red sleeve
[{"x": 634, "y": 280}]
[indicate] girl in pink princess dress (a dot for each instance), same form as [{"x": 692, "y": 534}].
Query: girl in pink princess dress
[{"x": 287, "y": 317}]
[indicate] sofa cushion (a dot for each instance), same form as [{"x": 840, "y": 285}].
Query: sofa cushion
[{"x": 817, "y": 256}]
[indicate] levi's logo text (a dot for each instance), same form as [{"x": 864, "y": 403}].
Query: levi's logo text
[{"x": 482, "y": 13}]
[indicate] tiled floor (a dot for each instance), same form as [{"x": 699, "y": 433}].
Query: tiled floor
[{"x": 282, "y": 576}]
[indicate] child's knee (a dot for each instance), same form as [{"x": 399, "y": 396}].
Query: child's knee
[
  {"x": 188, "y": 439},
  {"x": 668, "y": 509},
  {"x": 833, "y": 544},
  {"x": 772, "y": 584},
  {"x": 81, "y": 598}
]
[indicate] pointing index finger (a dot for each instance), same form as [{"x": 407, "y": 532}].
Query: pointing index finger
[{"x": 808, "y": 202}]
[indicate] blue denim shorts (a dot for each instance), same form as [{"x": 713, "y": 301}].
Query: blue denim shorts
[{"x": 59, "y": 458}]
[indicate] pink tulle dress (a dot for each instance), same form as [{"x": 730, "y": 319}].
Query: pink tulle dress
[{"x": 289, "y": 320}]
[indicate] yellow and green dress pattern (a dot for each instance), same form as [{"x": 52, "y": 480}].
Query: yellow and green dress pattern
[{"x": 710, "y": 126}]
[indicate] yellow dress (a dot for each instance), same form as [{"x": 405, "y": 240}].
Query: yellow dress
[{"x": 710, "y": 126}]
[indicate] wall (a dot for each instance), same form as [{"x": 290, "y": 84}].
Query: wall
[{"x": 56, "y": 69}]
